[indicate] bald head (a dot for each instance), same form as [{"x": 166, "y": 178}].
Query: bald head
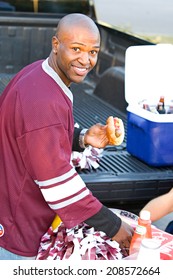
[
  {"x": 75, "y": 48},
  {"x": 76, "y": 21}
]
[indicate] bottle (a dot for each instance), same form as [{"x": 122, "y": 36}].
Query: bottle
[
  {"x": 146, "y": 107},
  {"x": 143, "y": 230},
  {"x": 145, "y": 221},
  {"x": 170, "y": 110},
  {"x": 149, "y": 250},
  {"x": 162, "y": 99},
  {"x": 160, "y": 108},
  {"x": 161, "y": 105}
]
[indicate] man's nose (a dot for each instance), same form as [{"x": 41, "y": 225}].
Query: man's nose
[{"x": 84, "y": 58}]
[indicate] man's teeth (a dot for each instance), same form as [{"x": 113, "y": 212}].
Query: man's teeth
[{"x": 81, "y": 69}]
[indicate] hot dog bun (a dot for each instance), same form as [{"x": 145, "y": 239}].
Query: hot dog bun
[{"x": 115, "y": 130}]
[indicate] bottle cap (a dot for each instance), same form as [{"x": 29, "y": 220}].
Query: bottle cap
[{"x": 145, "y": 215}]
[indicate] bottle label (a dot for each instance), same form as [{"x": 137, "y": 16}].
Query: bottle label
[{"x": 140, "y": 230}]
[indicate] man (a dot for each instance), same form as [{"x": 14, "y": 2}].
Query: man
[{"x": 36, "y": 124}]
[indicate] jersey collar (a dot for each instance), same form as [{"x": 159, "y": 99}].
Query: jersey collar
[{"x": 49, "y": 70}]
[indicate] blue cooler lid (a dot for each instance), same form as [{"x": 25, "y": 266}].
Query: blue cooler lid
[{"x": 149, "y": 75}]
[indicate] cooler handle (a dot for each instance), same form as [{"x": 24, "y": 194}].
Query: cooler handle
[{"x": 137, "y": 121}]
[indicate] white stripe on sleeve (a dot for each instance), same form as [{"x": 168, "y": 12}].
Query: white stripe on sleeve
[
  {"x": 69, "y": 201},
  {"x": 56, "y": 179},
  {"x": 61, "y": 191}
]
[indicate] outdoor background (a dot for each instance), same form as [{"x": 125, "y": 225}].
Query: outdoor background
[{"x": 151, "y": 19}]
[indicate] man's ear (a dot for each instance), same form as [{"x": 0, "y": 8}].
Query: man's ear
[{"x": 55, "y": 44}]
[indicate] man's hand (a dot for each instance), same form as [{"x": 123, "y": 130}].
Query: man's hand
[
  {"x": 124, "y": 236},
  {"x": 96, "y": 136}
]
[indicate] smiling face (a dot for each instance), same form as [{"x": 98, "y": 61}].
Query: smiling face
[{"x": 75, "y": 50}]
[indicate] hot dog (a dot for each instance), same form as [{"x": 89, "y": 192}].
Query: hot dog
[{"x": 115, "y": 130}]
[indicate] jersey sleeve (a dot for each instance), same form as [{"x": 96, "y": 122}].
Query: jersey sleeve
[{"x": 106, "y": 221}]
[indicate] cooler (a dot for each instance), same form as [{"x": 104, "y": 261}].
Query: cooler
[{"x": 149, "y": 75}]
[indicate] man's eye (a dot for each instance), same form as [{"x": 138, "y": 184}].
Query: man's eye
[
  {"x": 76, "y": 49},
  {"x": 93, "y": 52}
]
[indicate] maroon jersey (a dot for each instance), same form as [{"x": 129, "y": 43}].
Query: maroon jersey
[{"x": 36, "y": 177}]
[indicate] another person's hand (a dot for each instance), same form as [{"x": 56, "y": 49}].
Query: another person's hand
[
  {"x": 123, "y": 237},
  {"x": 96, "y": 136}
]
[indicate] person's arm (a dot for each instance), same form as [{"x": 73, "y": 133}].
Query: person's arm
[
  {"x": 106, "y": 221},
  {"x": 160, "y": 206}
]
